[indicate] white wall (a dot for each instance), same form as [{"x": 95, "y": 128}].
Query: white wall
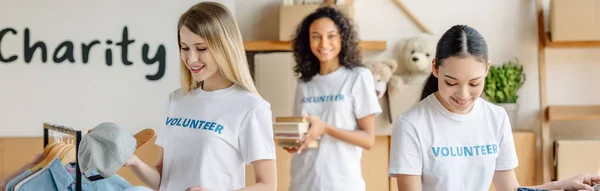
[
  {"x": 509, "y": 26},
  {"x": 84, "y": 95},
  {"x": 77, "y": 94}
]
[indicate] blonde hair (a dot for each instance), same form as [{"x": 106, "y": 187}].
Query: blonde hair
[{"x": 217, "y": 26}]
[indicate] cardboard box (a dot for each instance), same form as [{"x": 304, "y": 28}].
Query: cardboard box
[
  {"x": 573, "y": 157},
  {"x": 575, "y": 20},
  {"x": 275, "y": 81},
  {"x": 290, "y": 16}
]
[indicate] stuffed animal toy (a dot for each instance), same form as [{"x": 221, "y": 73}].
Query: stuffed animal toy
[
  {"x": 416, "y": 56},
  {"x": 385, "y": 80}
]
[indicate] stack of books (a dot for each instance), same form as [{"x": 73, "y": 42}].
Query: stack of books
[{"x": 289, "y": 130}]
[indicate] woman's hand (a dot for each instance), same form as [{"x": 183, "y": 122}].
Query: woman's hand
[
  {"x": 579, "y": 182},
  {"x": 197, "y": 188},
  {"x": 317, "y": 128}
]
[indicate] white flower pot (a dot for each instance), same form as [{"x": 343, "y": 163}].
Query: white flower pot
[{"x": 512, "y": 109}]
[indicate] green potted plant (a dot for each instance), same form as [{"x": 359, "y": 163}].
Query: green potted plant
[{"x": 502, "y": 85}]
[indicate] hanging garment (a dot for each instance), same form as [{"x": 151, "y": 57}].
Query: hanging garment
[
  {"x": 11, "y": 184},
  {"x": 57, "y": 178}
]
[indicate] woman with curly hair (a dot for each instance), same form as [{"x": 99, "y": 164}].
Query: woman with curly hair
[{"x": 337, "y": 95}]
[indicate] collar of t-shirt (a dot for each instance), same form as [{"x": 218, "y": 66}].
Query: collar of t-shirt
[
  {"x": 475, "y": 111},
  {"x": 215, "y": 93},
  {"x": 331, "y": 75}
]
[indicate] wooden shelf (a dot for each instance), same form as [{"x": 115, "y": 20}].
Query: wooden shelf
[
  {"x": 265, "y": 45},
  {"x": 557, "y": 112},
  {"x": 572, "y": 112},
  {"x": 570, "y": 44}
]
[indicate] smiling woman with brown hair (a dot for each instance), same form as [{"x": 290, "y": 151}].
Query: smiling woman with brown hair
[{"x": 338, "y": 97}]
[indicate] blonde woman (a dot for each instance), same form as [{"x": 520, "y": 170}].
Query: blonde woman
[{"x": 216, "y": 122}]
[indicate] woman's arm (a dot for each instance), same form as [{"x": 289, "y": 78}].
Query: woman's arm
[
  {"x": 408, "y": 182},
  {"x": 364, "y": 136},
  {"x": 506, "y": 180},
  {"x": 147, "y": 174},
  {"x": 265, "y": 172}
]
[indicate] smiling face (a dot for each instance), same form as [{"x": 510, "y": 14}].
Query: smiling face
[
  {"x": 325, "y": 40},
  {"x": 460, "y": 82},
  {"x": 195, "y": 55}
]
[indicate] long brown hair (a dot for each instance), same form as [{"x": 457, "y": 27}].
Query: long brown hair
[{"x": 217, "y": 26}]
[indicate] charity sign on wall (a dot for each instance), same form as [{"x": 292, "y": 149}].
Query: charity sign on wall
[{"x": 80, "y": 63}]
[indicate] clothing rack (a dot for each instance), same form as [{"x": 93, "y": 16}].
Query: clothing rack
[{"x": 70, "y": 131}]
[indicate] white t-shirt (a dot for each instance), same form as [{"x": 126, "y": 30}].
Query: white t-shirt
[
  {"x": 452, "y": 151},
  {"x": 340, "y": 98},
  {"x": 209, "y": 137}
]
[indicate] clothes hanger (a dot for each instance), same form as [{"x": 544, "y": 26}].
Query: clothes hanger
[
  {"x": 47, "y": 158},
  {"x": 69, "y": 154},
  {"x": 143, "y": 137},
  {"x": 54, "y": 151},
  {"x": 52, "y": 154},
  {"x": 61, "y": 152},
  {"x": 48, "y": 147},
  {"x": 51, "y": 146}
]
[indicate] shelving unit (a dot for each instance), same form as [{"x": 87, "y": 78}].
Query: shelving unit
[
  {"x": 550, "y": 113},
  {"x": 265, "y": 45}
]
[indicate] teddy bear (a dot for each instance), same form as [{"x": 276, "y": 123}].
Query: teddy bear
[
  {"x": 384, "y": 78},
  {"x": 416, "y": 54}
]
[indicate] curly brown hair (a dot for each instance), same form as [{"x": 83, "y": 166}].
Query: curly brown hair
[{"x": 307, "y": 64}]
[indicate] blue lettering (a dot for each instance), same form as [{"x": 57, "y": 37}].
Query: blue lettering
[
  {"x": 468, "y": 151},
  {"x": 459, "y": 151},
  {"x": 210, "y": 128},
  {"x": 173, "y": 121},
  {"x": 219, "y": 129},
  {"x": 194, "y": 124},
  {"x": 206, "y": 125},
  {"x": 169, "y": 120},
  {"x": 186, "y": 122},
  {"x": 483, "y": 151},
  {"x": 325, "y": 98},
  {"x": 436, "y": 151},
  {"x": 446, "y": 153}
]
